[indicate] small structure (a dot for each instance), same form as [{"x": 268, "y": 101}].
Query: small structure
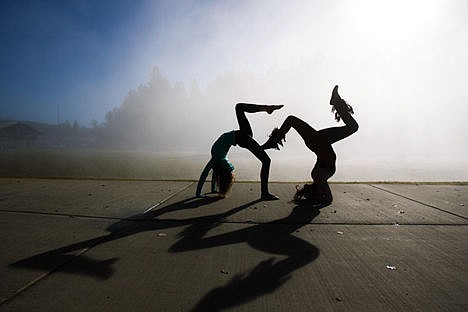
[{"x": 16, "y": 134}]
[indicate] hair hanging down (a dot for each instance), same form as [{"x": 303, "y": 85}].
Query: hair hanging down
[
  {"x": 224, "y": 180},
  {"x": 313, "y": 193},
  {"x": 302, "y": 192}
]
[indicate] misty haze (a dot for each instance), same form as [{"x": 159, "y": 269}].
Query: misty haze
[
  {"x": 156, "y": 118},
  {"x": 226, "y": 155}
]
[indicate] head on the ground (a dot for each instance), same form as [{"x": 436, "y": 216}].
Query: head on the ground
[
  {"x": 304, "y": 191},
  {"x": 223, "y": 172},
  {"x": 316, "y": 193}
]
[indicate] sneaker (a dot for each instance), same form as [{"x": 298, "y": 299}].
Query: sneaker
[
  {"x": 276, "y": 138},
  {"x": 335, "y": 98},
  {"x": 339, "y": 105}
]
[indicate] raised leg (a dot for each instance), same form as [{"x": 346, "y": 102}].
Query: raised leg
[
  {"x": 336, "y": 134},
  {"x": 344, "y": 112},
  {"x": 304, "y": 129},
  {"x": 242, "y": 108}
]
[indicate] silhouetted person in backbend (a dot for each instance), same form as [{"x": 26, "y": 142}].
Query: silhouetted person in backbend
[
  {"x": 223, "y": 174},
  {"x": 320, "y": 142}
]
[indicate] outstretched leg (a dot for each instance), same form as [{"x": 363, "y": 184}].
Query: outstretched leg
[
  {"x": 302, "y": 127},
  {"x": 242, "y": 108},
  {"x": 308, "y": 134}
]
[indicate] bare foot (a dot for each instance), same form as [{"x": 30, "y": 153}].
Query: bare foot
[
  {"x": 269, "y": 196},
  {"x": 271, "y": 108}
]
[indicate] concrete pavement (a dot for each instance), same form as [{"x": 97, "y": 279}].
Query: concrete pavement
[{"x": 109, "y": 245}]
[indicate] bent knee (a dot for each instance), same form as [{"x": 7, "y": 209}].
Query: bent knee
[
  {"x": 354, "y": 127},
  {"x": 240, "y": 107},
  {"x": 292, "y": 118},
  {"x": 295, "y": 122}
]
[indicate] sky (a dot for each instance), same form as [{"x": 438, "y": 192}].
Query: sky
[{"x": 77, "y": 59}]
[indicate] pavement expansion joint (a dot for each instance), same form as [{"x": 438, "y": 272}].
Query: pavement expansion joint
[
  {"x": 48, "y": 273},
  {"x": 167, "y": 198},
  {"x": 58, "y": 214},
  {"x": 419, "y": 202},
  {"x": 246, "y": 222}
]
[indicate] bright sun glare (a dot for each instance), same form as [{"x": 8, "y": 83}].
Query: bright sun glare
[{"x": 395, "y": 20}]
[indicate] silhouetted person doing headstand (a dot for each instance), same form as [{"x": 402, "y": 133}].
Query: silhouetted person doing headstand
[
  {"x": 320, "y": 142},
  {"x": 222, "y": 169}
]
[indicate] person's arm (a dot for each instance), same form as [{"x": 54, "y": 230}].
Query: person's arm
[{"x": 203, "y": 176}]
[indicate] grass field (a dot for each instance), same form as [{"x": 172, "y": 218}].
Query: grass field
[{"x": 187, "y": 166}]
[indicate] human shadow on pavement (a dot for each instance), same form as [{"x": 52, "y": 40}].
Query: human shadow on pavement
[
  {"x": 275, "y": 237},
  {"x": 72, "y": 258}
]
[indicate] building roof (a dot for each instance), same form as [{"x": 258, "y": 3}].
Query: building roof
[{"x": 17, "y": 130}]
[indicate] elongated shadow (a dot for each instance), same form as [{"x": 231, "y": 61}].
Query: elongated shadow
[
  {"x": 274, "y": 237},
  {"x": 59, "y": 258}
]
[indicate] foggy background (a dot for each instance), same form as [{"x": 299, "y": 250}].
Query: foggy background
[{"x": 163, "y": 77}]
